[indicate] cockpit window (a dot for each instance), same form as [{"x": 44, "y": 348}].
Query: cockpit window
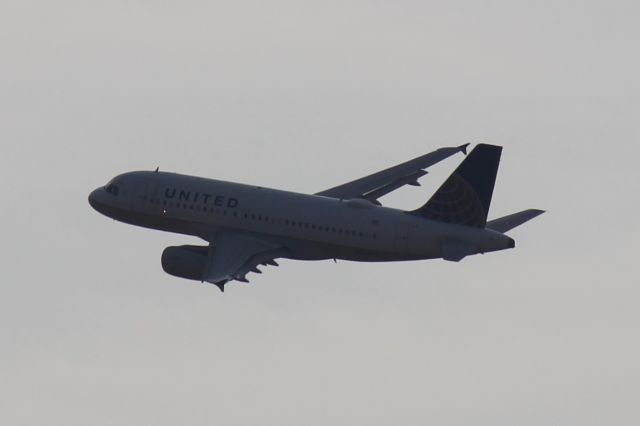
[{"x": 112, "y": 189}]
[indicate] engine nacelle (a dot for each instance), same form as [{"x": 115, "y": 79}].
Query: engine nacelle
[{"x": 185, "y": 261}]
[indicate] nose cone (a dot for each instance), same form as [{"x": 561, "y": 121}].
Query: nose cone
[
  {"x": 96, "y": 199},
  {"x": 93, "y": 198}
]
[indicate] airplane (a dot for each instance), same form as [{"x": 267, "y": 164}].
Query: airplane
[{"x": 248, "y": 226}]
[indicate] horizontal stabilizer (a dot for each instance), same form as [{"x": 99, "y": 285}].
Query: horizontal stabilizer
[{"x": 509, "y": 222}]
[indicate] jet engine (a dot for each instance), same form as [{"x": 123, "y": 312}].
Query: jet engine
[{"x": 185, "y": 261}]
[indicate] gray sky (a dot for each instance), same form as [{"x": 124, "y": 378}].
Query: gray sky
[{"x": 303, "y": 96}]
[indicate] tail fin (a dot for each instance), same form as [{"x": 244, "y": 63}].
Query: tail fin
[
  {"x": 464, "y": 198},
  {"x": 506, "y": 223}
]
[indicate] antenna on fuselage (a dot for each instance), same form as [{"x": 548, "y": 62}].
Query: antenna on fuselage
[{"x": 157, "y": 168}]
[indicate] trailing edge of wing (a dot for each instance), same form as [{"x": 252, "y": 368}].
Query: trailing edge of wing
[
  {"x": 381, "y": 183},
  {"x": 506, "y": 223},
  {"x": 233, "y": 255}
]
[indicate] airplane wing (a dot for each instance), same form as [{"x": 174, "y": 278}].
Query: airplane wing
[
  {"x": 381, "y": 183},
  {"x": 232, "y": 255}
]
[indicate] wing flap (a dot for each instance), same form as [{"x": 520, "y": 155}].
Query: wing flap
[
  {"x": 411, "y": 179},
  {"x": 233, "y": 255}
]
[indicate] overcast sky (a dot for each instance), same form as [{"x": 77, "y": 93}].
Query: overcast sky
[{"x": 303, "y": 96}]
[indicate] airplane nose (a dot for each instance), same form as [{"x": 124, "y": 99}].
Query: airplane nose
[{"x": 94, "y": 198}]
